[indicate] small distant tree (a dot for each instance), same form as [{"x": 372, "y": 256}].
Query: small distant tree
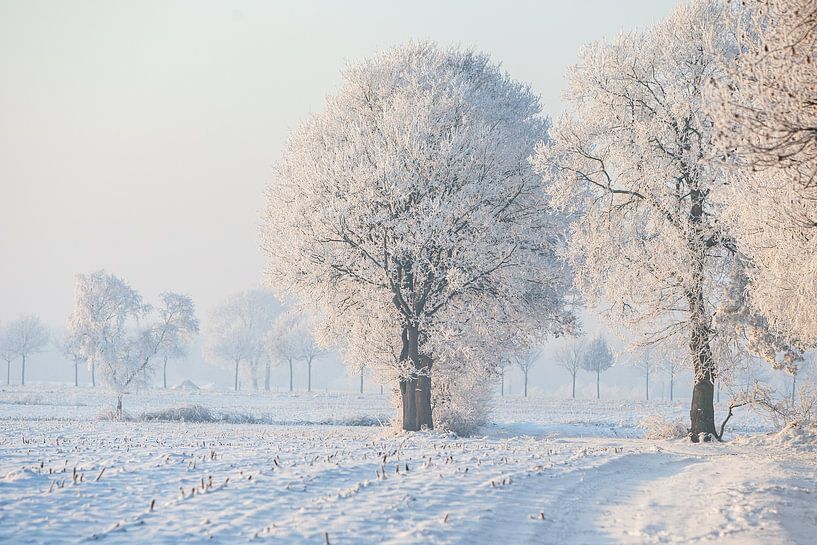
[
  {"x": 7, "y": 352},
  {"x": 27, "y": 335},
  {"x": 285, "y": 343},
  {"x": 570, "y": 357},
  {"x": 647, "y": 364},
  {"x": 70, "y": 346},
  {"x": 238, "y": 329},
  {"x": 597, "y": 359},
  {"x": 310, "y": 351},
  {"x": 526, "y": 362},
  {"x": 186, "y": 325},
  {"x": 671, "y": 365}
]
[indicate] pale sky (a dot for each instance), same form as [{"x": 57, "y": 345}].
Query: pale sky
[{"x": 139, "y": 136}]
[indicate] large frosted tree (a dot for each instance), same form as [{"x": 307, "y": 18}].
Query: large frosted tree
[
  {"x": 633, "y": 162},
  {"x": 765, "y": 110},
  {"x": 407, "y": 209},
  {"x": 766, "y": 128}
]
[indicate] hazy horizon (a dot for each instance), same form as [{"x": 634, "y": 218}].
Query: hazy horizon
[{"x": 139, "y": 137}]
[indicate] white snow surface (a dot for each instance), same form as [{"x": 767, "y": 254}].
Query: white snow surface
[{"x": 304, "y": 468}]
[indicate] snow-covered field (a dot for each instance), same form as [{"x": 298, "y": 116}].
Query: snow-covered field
[{"x": 312, "y": 468}]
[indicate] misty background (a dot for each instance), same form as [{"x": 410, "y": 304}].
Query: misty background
[{"x": 138, "y": 137}]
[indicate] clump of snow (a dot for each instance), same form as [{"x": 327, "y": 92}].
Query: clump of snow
[
  {"x": 658, "y": 426},
  {"x": 186, "y": 384},
  {"x": 793, "y": 437}
]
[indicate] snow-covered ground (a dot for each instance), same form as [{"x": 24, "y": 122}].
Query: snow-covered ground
[{"x": 307, "y": 468}]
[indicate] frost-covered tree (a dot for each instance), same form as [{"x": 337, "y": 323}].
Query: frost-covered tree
[
  {"x": 633, "y": 162},
  {"x": 237, "y": 332},
  {"x": 185, "y": 326},
  {"x": 597, "y": 359},
  {"x": 26, "y": 335},
  {"x": 646, "y": 363},
  {"x": 765, "y": 118},
  {"x": 526, "y": 362},
  {"x": 285, "y": 341},
  {"x": 672, "y": 365},
  {"x": 407, "y": 205},
  {"x": 310, "y": 351},
  {"x": 105, "y": 307},
  {"x": 291, "y": 340},
  {"x": 70, "y": 346},
  {"x": 765, "y": 110},
  {"x": 7, "y": 350},
  {"x": 121, "y": 333},
  {"x": 570, "y": 357}
]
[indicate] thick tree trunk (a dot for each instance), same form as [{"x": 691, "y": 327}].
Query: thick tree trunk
[
  {"x": 291, "y": 371},
  {"x": 23, "y": 378},
  {"x": 416, "y": 390},
  {"x": 119, "y": 407},
  {"x": 164, "y": 374},
  {"x": 423, "y": 393},
  {"x": 502, "y": 382},
  {"x": 702, "y": 410},
  {"x": 236, "y": 374},
  {"x": 574, "y": 385},
  {"x": 719, "y": 391},
  {"x": 407, "y": 388}
]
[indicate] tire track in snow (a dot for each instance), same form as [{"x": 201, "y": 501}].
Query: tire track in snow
[{"x": 573, "y": 501}]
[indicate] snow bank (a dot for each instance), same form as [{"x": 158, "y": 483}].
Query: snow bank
[{"x": 793, "y": 437}]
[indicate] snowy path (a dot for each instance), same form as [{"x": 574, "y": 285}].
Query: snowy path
[
  {"x": 292, "y": 484},
  {"x": 730, "y": 496}
]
